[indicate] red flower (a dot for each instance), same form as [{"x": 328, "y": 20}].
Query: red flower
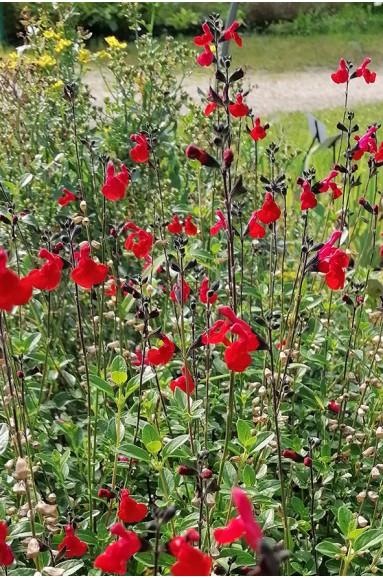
[
  {"x": 138, "y": 361},
  {"x": 110, "y": 286},
  {"x": 341, "y": 75},
  {"x": 175, "y": 227},
  {"x": 88, "y": 272},
  {"x": 307, "y": 461},
  {"x": 333, "y": 262},
  {"x": 256, "y": 231},
  {"x": 162, "y": 355},
  {"x": 190, "y": 228},
  {"x": 258, "y": 132},
  {"x": 231, "y": 34},
  {"x": 379, "y": 154},
  {"x": 210, "y": 107},
  {"x": 142, "y": 247},
  {"x": 104, "y": 493},
  {"x": 327, "y": 184},
  {"x": 74, "y": 546},
  {"x": 366, "y": 143},
  {"x": 307, "y": 198},
  {"x": 196, "y": 153},
  {"x": 205, "y": 38},
  {"x": 184, "y": 382},
  {"x": 140, "y": 153},
  {"x": 190, "y": 560},
  {"x": 217, "y": 333},
  {"x": 131, "y": 511},
  {"x": 175, "y": 293},
  {"x": 291, "y": 455},
  {"x": 381, "y": 251},
  {"x": 115, "y": 185},
  {"x": 333, "y": 406},
  {"x": 238, "y": 109},
  {"x": 6, "y": 554},
  {"x": 368, "y": 76},
  {"x": 66, "y": 198},
  {"x": 206, "y": 57},
  {"x": 203, "y": 291},
  {"x": 117, "y": 555},
  {"x": 14, "y": 291},
  {"x": 244, "y": 524},
  {"x": 221, "y": 224},
  {"x": 270, "y": 212},
  {"x": 48, "y": 277}
]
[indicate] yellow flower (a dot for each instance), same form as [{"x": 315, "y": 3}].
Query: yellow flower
[
  {"x": 45, "y": 60},
  {"x": 103, "y": 54},
  {"x": 114, "y": 43},
  {"x": 57, "y": 85},
  {"x": 13, "y": 59},
  {"x": 83, "y": 55},
  {"x": 50, "y": 34},
  {"x": 62, "y": 43}
]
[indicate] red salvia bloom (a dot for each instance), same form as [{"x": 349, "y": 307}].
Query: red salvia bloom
[
  {"x": 290, "y": 455},
  {"x": 190, "y": 560},
  {"x": 203, "y": 291},
  {"x": 341, "y": 75},
  {"x": 190, "y": 228},
  {"x": 244, "y": 525},
  {"x": 114, "y": 188},
  {"x": 75, "y": 548},
  {"x": 334, "y": 407},
  {"x": 333, "y": 262},
  {"x": 140, "y": 153},
  {"x": 221, "y": 223},
  {"x": 270, "y": 212},
  {"x": 131, "y": 511},
  {"x": 6, "y": 554},
  {"x": 238, "y": 109},
  {"x": 379, "y": 154},
  {"x": 327, "y": 184},
  {"x": 210, "y": 107},
  {"x": 66, "y": 198},
  {"x": 175, "y": 227},
  {"x": 258, "y": 132},
  {"x": 362, "y": 70},
  {"x": 48, "y": 277},
  {"x": 217, "y": 333},
  {"x": 256, "y": 231},
  {"x": 367, "y": 143},
  {"x": 142, "y": 247},
  {"x": 184, "y": 382},
  {"x": 206, "y": 57},
  {"x": 175, "y": 293},
  {"x": 117, "y": 555},
  {"x": 14, "y": 291},
  {"x": 104, "y": 493},
  {"x": 162, "y": 355},
  {"x": 308, "y": 199},
  {"x": 138, "y": 361},
  {"x": 87, "y": 272},
  {"x": 110, "y": 286},
  {"x": 194, "y": 152},
  {"x": 205, "y": 38},
  {"x": 231, "y": 34}
]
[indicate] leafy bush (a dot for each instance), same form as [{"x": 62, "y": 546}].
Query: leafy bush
[{"x": 190, "y": 319}]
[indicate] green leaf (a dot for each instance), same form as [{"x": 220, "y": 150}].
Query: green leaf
[
  {"x": 119, "y": 372},
  {"x": 229, "y": 474},
  {"x": 346, "y": 521},
  {"x": 244, "y": 432},
  {"x": 135, "y": 452},
  {"x": 173, "y": 445},
  {"x": 102, "y": 385},
  {"x": 368, "y": 539},
  {"x": 151, "y": 439},
  {"x": 263, "y": 439},
  {"x": 248, "y": 476},
  {"x": 4, "y": 437},
  {"x": 328, "y": 548}
]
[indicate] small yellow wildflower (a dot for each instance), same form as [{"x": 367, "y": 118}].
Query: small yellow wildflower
[
  {"x": 45, "y": 60},
  {"x": 57, "y": 85},
  {"x": 103, "y": 54},
  {"x": 83, "y": 56},
  {"x": 62, "y": 43},
  {"x": 50, "y": 34},
  {"x": 114, "y": 43},
  {"x": 13, "y": 59}
]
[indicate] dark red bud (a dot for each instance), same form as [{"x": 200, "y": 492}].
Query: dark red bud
[
  {"x": 307, "y": 462},
  {"x": 206, "y": 474},
  {"x": 104, "y": 493},
  {"x": 15, "y": 219},
  {"x": 113, "y": 232},
  {"x": 347, "y": 299},
  {"x": 227, "y": 157},
  {"x": 375, "y": 209},
  {"x": 186, "y": 471},
  {"x": 20, "y": 374}
]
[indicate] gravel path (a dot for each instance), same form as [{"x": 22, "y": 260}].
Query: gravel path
[{"x": 286, "y": 92}]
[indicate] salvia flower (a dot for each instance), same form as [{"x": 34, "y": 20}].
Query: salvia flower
[
  {"x": 66, "y": 198},
  {"x": 205, "y": 38},
  {"x": 141, "y": 247},
  {"x": 220, "y": 224},
  {"x": 231, "y": 34},
  {"x": 362, "y": 70},
  {"x": 74, "y": 547},
  {"x": 104, "y": 493},
  {"x": 114, "y": 187},
  {"x": 14, "y": 290},
  {"x": 117, "y": 554},
  {"x": 206, "y": 57},
  {"x": 87, "y": 272},
  {"x": 334, "y": 407},
  {"x": 333, "y": 262},
  {"x": 238, "y": 109},
  {"x": 48, "y": 277},
  {"x": 270, "y": 212},
  {"x": 308, "y": 199},
  {"x": 194, "y": 152},
  {"x": 366, "y": 143},
  {"x": 138, "y": 361},
  {"x": 175, "y": 293},
  {"x": 243, "y": 525},
  {"x": 258, "y": 132},
  {"x": 189, "y": 227},
  {"x": 190, "y": 560},
  {"x": 175, "y": 227},
  {"x": 210, "y": 107},
  {"x": 140, "y": 153},
  {"x": 379, "y": 154},
  {"x": 131, "y": 511},
  {"x": 328, "y": 183},
  {"x": 291, "y": 455},
  {"x": 6, "y": 554},
  {"x": 204, "y": 290},
  {"x": 162, "y": 355},
  {"x": 110, "y": 286},
  {"x": 184, "y": 382},
  {"x": 254, "y": 228},
  {"x": 341, "y": 75}
]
